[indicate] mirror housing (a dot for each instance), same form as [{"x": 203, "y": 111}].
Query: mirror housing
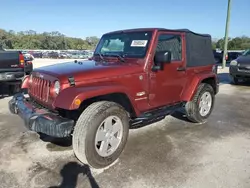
[{"x": 161, "y": 58}]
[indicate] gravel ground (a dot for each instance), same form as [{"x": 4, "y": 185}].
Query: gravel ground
[{"x": 172, "y": 153}]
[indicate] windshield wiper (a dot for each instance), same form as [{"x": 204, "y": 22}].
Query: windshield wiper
[
  {"x": 119, "y": 57},
  {"x": 101, "y": 56}
]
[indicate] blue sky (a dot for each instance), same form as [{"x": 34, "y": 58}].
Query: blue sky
[{"x": 81, "y": 18}]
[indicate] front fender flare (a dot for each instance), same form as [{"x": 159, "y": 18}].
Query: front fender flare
[
  {"x": 25, "y": 82},
  {"x": 66, "y": 98}
]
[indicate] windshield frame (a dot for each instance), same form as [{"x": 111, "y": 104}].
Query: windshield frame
[{"x": 100, "y": 44}]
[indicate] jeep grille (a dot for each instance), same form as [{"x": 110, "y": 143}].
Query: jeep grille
[{"x": 39, "y": 89}]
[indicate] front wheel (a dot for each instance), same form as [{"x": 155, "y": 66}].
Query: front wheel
[
  {"x": 100, "y": 134},
  {"x": 201, "y": 106},
  {"x": 235, "y": 80}
]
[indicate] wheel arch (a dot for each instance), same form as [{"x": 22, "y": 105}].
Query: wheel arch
[
  {"x": 210, "y": 79},
  {"x": 117, "y": 97},
  {"x": 76, "y": 98}
]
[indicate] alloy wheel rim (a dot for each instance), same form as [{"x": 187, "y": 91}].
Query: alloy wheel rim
[
  {"x": 205, "y": 104},
  {"x": 108, "y": 136}
]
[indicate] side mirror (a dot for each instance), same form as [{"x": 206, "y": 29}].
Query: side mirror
[{"x": 160, "y": 59}]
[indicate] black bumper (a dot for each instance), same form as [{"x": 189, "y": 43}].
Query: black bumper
[
  {"x": 11, "y": 76},
  {"x": 217, "y": 87},
  {"x": 40, "y": 120},
  {"x": 239, "y": 72}
]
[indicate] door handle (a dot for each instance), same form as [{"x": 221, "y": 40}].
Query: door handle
[{"x": 181, "y": 69}]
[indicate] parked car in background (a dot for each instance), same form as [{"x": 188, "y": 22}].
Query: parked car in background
[
  {"x": 136, "y": 77},
  {"x": 218, "y": 56},
  {"x": 231, "y": 55},
  {"x": 12, "y": 69},
  {"x": 28, "y": 56},
  {"x": 37, "y": 54},
  {"x": 53, "y": 55},
  {"x": 63, "y": 55},
  {"x": 239, "y": 68},
  {"x": 90, "y": 54},
  {"x": 79, "y": 55},
  {"x": 28, "y": 66}
]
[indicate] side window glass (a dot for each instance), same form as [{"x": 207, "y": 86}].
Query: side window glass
[{"x": 172, "y": 43}]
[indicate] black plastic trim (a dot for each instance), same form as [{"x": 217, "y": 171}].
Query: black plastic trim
[
  {"x": 155, "y": 115},
  {"x": 40, "y": 120}
]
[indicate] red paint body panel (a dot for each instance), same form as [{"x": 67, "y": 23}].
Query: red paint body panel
[
  {"x": 166, "y": 86},
  {"x": 128, "y": 78},
  {"x": 87, "y": 92},
  {"x": 25, "y": 83},
  {"x": 145, "y": 88},
  {"x": 196, "y": 76}
]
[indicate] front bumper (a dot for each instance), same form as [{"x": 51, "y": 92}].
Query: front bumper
[
  {"x": 239, "y": 72},
  {"x": 217, "y": 87},
  {"x": 40, "y": 120}
]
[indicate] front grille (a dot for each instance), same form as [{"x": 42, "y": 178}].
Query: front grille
[
  {"x": 244, "y": 68},
  {"x": 39, "y": 89}
]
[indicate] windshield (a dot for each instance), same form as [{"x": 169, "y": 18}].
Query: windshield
[
  {"x": 131, "y": 44},
  {"x": 247, "y": 52}
]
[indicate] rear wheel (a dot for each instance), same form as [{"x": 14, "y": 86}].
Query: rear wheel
[
  {"x": 100, "y": 134},
  {"x": 200, "y": 108}
]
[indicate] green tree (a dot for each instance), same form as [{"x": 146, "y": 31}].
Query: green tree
[{"x": 55, "y": 40}]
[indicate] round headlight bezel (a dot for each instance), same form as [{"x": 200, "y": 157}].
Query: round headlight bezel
[
  {"x": 233, "y": 63},
  {"x": 57, "y": 87}
]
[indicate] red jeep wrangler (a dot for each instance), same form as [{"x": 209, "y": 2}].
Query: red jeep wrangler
[{"x": 135, "y": 77}]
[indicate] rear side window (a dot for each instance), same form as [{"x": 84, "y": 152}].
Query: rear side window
[{"x": 172, "y": 43}]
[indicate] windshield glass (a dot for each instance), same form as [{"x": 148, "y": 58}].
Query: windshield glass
[
  {"x": 131, "y": 44},
  {"x": 247, "y": 52}
]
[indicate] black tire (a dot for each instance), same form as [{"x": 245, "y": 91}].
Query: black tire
[
  {"x": 192, "y": 107},
  {"x": 86, "y": 129},
  {"x": 235, "y": 80}
]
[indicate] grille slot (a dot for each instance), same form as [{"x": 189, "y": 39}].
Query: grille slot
[{"x": 39, "y": 89}]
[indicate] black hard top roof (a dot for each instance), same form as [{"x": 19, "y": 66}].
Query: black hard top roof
[{"x": 159, "y": 29}]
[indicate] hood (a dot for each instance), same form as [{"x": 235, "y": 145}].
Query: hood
[
  {"x": 86, "y": 70},
  {"x": 243, "y": 60}
]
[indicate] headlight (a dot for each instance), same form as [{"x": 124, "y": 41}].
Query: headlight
[
  {"x": 233, "y": 63},
  {"x": 57, "y": 87}
]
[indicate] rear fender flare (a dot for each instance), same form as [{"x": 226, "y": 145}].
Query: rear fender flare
[{"x": 193, "y": 86}]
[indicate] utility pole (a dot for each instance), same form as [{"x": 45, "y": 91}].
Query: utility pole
[{"x": 226, "y": 34}]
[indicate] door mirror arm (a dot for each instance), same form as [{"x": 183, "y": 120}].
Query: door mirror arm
[
  {"x": 161, "y": 58},
  {"x": 156, "y": 68}
]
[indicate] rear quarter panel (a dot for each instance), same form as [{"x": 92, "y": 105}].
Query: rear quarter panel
[{"x": 195, "y": 76}]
